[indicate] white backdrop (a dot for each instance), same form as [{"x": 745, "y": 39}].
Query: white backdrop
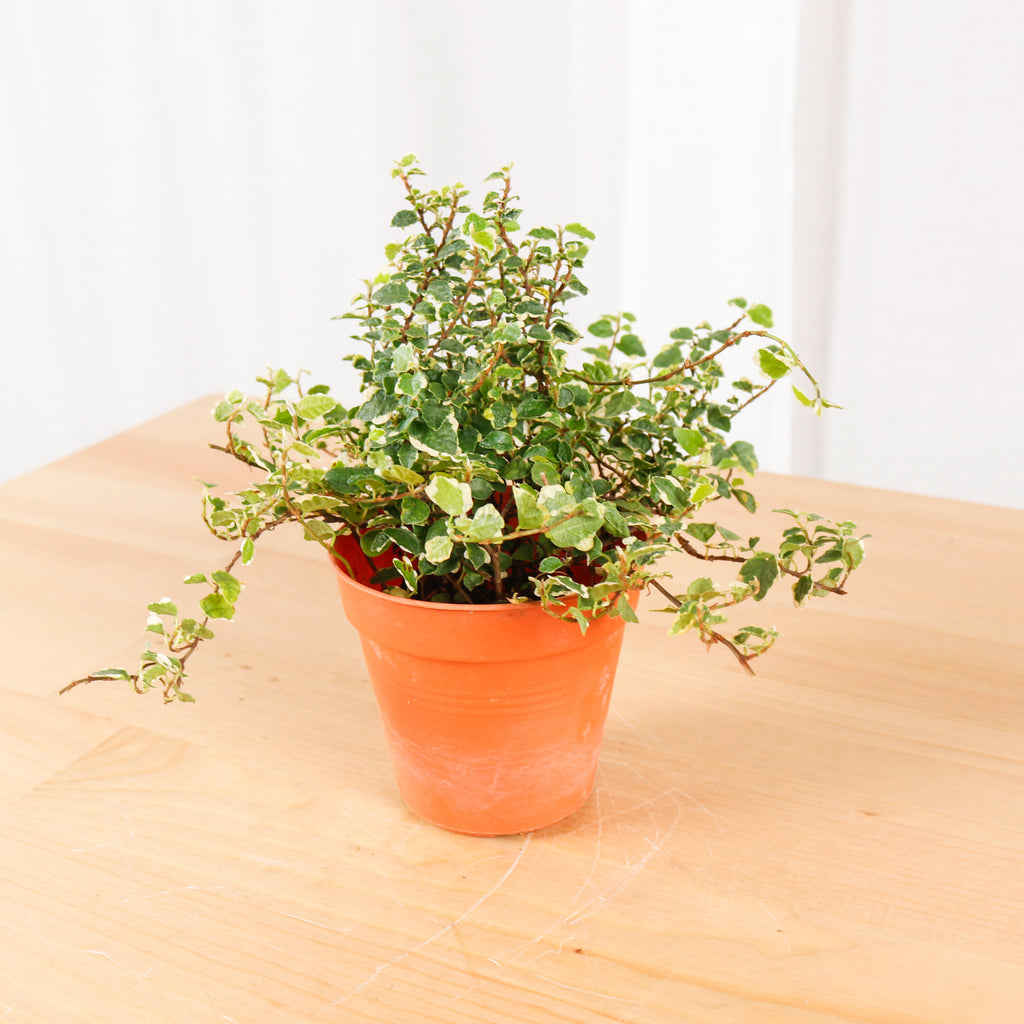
[{"x": 190, "y": 190}]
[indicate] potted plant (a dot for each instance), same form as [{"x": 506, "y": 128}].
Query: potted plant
[{"x": 493, "y": 507}]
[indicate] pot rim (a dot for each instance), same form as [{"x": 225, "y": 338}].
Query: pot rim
[{"x": 450, "y": 606}]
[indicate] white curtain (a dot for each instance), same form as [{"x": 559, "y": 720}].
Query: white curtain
[
  {"x": 190, "y": 191},
  {"x": 928, "y": 255}
]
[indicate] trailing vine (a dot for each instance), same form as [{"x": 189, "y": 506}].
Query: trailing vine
[{"x": 480, "y": 465}]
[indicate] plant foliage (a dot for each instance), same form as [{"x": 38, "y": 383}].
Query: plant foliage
[{"x": 481, "y": 465}]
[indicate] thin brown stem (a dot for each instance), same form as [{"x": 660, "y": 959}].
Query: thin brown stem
[
  {"x": 470, "y": 282},
  {"x": 742, "y": 658},
  {"x": 706, "y": 556},
  {"x": 598, "y": 461},
  {"x": 717, "y": 638},
  {"x": 487, "y": 370},
  {"x": 495, "y": 554},
  {"x": 182, "y": 653},
  {"x": 756, "y": 395},
  {"x": 690, "y": 364},
  {"x": 429, "y": 273}
]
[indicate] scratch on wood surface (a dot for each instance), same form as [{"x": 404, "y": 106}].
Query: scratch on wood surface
[
  {"x": 430, "y": 940},
  {"x": 649, "y": 996},
  {"x": 620, "y": 879},
  {"x": 590, "y": 992},
  {"x": 696, "y": 803},
  {"x": 625, "y": 874},
  {"x": 778, "y": 925},
  {"x": 116, "y": 801},
  {"x": 348, "y": 816},
  {"x": 544, "y": 953},
  {"x": 128, "y": 875},
  {"x": 316, "y": 924},
  {"x": 273, "y": 862},
  {"x": 618, "y": 817},
  {"x": 138, "y": 974},
  {"x": 597, "y": 848},
  {"x": 226, "y": 890}
]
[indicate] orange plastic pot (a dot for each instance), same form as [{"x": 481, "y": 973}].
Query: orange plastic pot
[{"x": 493, "y": 714}]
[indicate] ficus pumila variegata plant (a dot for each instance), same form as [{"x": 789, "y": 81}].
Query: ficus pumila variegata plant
[{"x": 481, "y": 465}]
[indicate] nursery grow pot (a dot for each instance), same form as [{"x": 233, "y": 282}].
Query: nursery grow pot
[{"x": 493, "y": 714}]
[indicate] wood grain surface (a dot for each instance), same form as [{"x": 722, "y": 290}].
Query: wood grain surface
[{"x": 838, "y": 839}]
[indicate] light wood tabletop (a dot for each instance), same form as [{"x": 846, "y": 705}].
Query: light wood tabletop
[{"x": 837, "y": 839}]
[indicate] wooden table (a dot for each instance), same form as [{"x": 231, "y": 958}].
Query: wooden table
[{"x": 838, "y": 839}]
